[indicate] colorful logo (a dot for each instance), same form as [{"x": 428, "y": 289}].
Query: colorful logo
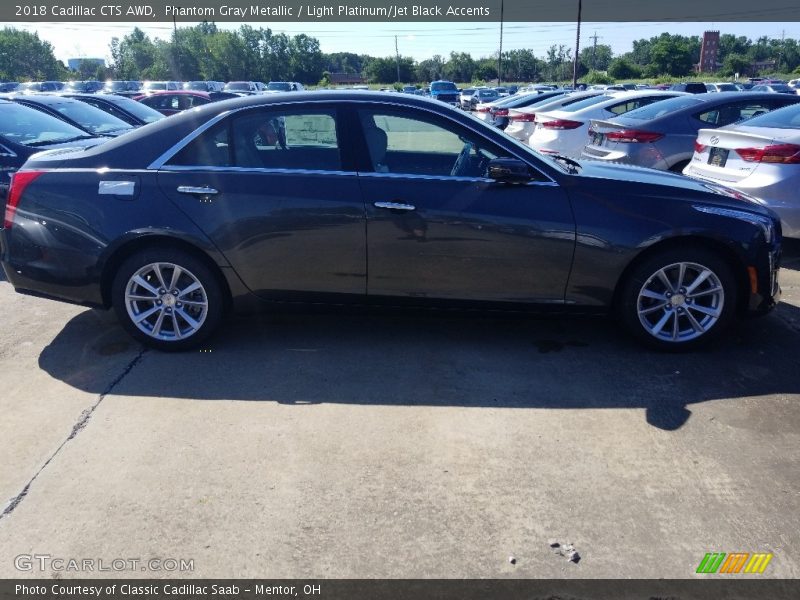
[{"x": 735, "y": 562}]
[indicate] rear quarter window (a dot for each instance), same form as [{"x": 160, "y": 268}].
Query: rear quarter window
[{"x": 787, "y": 117}]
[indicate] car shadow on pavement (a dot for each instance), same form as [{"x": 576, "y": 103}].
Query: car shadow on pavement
[{"x": 435, "y": 360}]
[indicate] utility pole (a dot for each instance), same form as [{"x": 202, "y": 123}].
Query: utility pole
[
  {"x": 397, "y": 55},
  {"x": 500, "y": 54},
  {"x": 577, "y": 48},
  {"x": 594, "y": 49}
]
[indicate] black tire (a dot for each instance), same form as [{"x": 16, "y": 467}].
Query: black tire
[
  {"x": 678, "y": 167},
  {"x": 712, "y": 311},
  {"x": 203, "y": 306}
]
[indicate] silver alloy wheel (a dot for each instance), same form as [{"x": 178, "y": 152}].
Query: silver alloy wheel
[
  {"x": 166, "y": 301},
  {"x": 680, "y": 302}
]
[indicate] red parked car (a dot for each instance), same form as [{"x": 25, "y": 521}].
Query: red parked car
[{"x": 174, "y": 101}]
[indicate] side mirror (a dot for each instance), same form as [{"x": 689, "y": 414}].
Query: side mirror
[{"x": 509, "y": 170}]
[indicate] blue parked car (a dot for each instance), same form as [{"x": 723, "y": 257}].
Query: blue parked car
[{"x": 446, "y": 91}]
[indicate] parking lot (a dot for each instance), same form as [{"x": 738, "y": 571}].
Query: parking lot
[{"x": 398, "y": 445}]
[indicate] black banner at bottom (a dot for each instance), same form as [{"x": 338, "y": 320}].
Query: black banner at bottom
[{"x": 400, "y": 589}]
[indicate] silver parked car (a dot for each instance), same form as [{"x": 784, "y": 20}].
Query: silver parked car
[
  {"x": 760, "y": 157},
  {"x": 661, "y": 136}
]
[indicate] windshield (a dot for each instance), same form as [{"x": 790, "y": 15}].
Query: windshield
[
  {"x": 727, "y": 87},
  {"x": 238, "y": 85},
  {"x": 443, "y": 86},
  {"x": 200, "y": 86},
  {"x": 782, "y": 118},
  {"x": 116, "y": 86},
  {"x": 89, "y": 117},
  {"x": 30, "y": 127},
  {"x": 155, "y": 85},
  {"x": 279, "y": 86},
  {"x": 662, "y": 107},
  {"x": 142, "y": 111}
]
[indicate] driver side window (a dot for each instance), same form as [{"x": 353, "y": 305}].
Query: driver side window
[{"x": 398, "y": 143}]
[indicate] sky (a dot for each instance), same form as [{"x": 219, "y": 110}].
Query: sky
[{"x": 418, "y": 40}]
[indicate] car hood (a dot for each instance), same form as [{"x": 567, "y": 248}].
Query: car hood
[{"x": 663, "y": 185}]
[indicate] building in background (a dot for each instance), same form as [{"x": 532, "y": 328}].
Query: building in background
[{"x": 709, "y": 52}]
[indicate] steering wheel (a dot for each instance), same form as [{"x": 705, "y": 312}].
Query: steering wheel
[{"x": 462, "y": 162}]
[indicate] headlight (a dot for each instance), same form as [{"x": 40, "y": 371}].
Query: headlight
[{"x": 765, "y": 223}]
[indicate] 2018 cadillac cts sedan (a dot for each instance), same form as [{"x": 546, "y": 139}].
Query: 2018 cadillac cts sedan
[{"x": 367, "y": 197}]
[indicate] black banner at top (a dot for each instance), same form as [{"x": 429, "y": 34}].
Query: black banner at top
[{"x": 444, "y": 11}]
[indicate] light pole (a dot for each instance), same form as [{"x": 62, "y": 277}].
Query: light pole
[
  {"x": 577, "y": 49},
  {"x": 500, "y": 54}
]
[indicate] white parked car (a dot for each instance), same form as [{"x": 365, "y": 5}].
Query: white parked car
[
  {"x": 521, "y": 120},
  {"x": 160, "y": 86},
  {"x": 760, "y": 157},
  {"x": 566, "y": 130}
]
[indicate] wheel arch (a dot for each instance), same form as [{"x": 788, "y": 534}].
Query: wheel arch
[
  {"x": 727, "y": 253},
  {"x": 154, "y": 241}
]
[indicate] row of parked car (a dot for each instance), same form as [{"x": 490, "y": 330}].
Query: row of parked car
[
  {"x": 746, "y": 141},
  {"x": 666, "y": 130},
  {"x": 128, "y": 88}
]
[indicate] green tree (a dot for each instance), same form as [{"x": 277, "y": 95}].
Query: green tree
[
  {"x": 485, "y": 69},
  {"x": 670, "y": 55},
  {"x": 430, "y": 69},
  {"x": 597, "y": 58},
  {"x": 24, "y": 56},
  {"x": 622, "y": 68},
  {"x": 460, "y": 67},
  {"x": 735, "y": 63},
  {"x": 306, "y": 59}
]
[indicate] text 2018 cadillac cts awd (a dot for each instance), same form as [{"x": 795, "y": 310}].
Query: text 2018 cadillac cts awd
[{"x": 365, "y": 197}]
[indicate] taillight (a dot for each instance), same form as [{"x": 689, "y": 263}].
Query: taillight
[
  {"x": 633, "y": 136},
  {"x": 787, "y": 154},
  {"x": 560, "y": 124},
  {"x": 523, "y": 117},
  {"x": 698, "y": 147},
  {"x": 500, "y": 112},
  {"x": 482, "y": 109},
  {"x": 19, "y": 181}
]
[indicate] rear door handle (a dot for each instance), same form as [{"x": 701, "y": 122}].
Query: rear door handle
[
  {"x": 394, "y": 206},
  {"x": 202, "y": 190}
]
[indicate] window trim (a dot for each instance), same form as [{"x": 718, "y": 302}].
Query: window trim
[{"x": 343, "y": 105}]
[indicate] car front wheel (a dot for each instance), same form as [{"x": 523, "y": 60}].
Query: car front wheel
[
  {"x": 679, "y": 299},
  {"x": 167, "y": 299}
]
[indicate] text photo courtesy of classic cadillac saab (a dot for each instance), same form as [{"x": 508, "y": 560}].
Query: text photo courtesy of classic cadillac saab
[{"x": 362, "y": 197}]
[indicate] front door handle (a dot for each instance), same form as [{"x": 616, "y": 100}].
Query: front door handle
[
  {"x": 201, "y": 190},
  {"x": 394, "y": 206}
]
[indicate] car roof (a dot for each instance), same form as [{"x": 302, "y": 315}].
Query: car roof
[
  {"x": 175, "y": 92},
  {"x": 46, "y": 99},
  {"x": 165, "y": 133}
]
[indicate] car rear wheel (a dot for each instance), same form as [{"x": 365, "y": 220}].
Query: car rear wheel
[
  {"x": 678, "y": 167},
  {"x": 679, "y": 299},
  {"x": 167, "y": 299}
]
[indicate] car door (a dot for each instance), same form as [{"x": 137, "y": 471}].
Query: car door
[
  {"x": 272, "y": 189},
  {"x": 437, "y": 227}
]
